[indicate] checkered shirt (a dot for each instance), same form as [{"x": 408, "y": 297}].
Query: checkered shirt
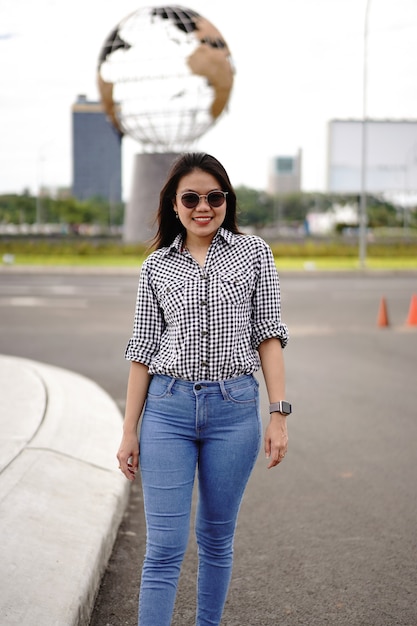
[{"x": 206, "y": 323}]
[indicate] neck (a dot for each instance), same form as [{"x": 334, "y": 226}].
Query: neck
[
  {"x": 198, "y": 248},
  {"x": 198, "y": 244}
]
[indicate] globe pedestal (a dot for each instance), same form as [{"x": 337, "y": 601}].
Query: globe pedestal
[{"x": 149, "y": 175}]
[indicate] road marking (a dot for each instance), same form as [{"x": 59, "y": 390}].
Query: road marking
[{"x": 30, "y": 301}]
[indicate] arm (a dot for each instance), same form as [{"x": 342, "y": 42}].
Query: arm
[
  {"x": 137, "y": 388},
  {"x": 276, "y": 436}
]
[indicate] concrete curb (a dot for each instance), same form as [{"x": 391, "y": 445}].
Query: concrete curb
[{"x": 62, "y": 497}]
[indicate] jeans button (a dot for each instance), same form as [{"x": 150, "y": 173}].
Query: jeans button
[{"x": 197, "y": 387}]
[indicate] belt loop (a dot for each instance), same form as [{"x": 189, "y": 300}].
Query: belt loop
[
  {"x": 223, "y": 390},
  {"x": 170, "y": 386}
]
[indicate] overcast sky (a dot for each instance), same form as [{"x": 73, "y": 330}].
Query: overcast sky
[{"x": 299, "y": 63}]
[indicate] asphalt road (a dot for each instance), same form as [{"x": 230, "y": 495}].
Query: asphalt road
[{"x": 328, "y": 537}]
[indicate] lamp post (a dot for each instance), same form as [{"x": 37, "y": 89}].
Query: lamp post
[
  {"x": 364, "y": 154},
  {"x": 40, "y": 175},
  {"x": 38, "y": 195}
]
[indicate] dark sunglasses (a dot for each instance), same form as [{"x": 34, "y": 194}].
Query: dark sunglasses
[{"x": 191, "y": 199}]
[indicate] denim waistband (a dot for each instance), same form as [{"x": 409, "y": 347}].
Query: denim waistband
[{"x": 207, "y": 385}]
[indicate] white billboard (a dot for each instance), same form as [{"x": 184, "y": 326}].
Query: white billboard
[{"x": 391, "y": 163}]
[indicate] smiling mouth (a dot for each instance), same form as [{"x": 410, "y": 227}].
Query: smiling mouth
[{"x": 208, "y": 218}]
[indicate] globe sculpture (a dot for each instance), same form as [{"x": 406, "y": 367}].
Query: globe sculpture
[{"x": 165, "y": 76}]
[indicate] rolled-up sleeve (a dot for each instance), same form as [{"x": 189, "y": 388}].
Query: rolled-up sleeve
[
  {"x": 266, "y": 313},
  {"x": 148, "y": 324}
]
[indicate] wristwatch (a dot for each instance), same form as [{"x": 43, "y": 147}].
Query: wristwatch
[{"x": 282, "y": 407}]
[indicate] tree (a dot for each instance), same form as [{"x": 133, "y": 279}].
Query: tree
[{"x": 254, "y": 207}]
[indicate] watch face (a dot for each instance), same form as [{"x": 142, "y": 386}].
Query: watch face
[{"x": 286, "y": 407}]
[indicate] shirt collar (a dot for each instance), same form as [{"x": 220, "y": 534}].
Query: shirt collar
[
  {"x": 227, "y": 235},
  {"x": 175, "y": 245}
]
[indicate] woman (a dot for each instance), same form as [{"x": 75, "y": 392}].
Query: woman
[{"x": 207, "y": 316}]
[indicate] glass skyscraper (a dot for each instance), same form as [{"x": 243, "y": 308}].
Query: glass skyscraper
[{"x": 96, "y": 153}]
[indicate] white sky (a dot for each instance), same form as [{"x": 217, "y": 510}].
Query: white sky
[{"x": 299, "y": 63}]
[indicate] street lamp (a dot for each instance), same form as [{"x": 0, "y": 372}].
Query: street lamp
[
  {"x": 39, "y": 164},
  {"x": 364, "y": 155},
  {"x": 39, "y": 179}
]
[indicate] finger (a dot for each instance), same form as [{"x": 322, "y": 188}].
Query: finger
[
  {"x": 123, "y": 467},
  {"x": 132, "y": 470},
  {"x": 128, "y": 472},
  {"x": 134, "y": 461},
  {"x": 267, "y": 448},
  {"x": 271, "y": 463},
  {"x": 277, "y": 457},
  {"x": 281, "y": 457},
  {"x": 126, "y": 467}
]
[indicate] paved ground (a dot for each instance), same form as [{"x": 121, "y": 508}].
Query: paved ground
[{"x": 327, "y": 538}]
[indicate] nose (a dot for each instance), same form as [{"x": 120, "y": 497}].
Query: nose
[{"x": 203, "y": 205}]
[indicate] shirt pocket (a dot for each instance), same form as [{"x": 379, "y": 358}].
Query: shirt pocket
[
  {"x": 171, "y": 299},
  {"x": 234, "y": 289}
]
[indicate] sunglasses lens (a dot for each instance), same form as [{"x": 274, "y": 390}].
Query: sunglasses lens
[
  {"x": 190, "y": 200},
  {"x": 215, "y": 198}
]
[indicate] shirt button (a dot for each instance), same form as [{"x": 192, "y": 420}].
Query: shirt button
[
  {"x": 204, "y": 364},
  {"x": 204, "y": 333}
]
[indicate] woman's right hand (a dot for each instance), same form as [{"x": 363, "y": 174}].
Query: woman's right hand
[{"x": 128, "y": 455}]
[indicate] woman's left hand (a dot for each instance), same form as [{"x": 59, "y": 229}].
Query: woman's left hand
[{"x": 276, "y": 439}]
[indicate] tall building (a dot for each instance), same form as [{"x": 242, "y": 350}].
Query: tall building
[
  {"x": 285, "y": 174},
  {"x": 96, "y": 153},
  {"x": 390, "y": 156}
]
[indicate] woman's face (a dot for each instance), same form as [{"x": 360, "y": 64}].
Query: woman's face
[{"x": 204, "y": 220}]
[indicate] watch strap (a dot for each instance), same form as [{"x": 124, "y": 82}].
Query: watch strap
[{"x": 282, "y": 407}]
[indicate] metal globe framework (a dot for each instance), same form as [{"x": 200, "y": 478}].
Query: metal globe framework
[{"x": 165, "y": 76}]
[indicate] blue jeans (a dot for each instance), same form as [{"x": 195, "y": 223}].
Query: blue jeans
[{"x": 215, "y": 427}]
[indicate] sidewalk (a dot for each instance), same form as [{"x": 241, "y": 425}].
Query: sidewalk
[{"x": 61, "y": 495}]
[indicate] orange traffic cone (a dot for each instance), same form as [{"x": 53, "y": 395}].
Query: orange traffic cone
[
  {"x": 412, "y": 312},
  {"x": 383, "y": 314}
]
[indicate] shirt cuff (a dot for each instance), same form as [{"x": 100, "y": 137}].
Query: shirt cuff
[
  {"x": 137, "y": 352},
  {"x": 270, "y": 330}
]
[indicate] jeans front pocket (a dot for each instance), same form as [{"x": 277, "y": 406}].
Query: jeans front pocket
[
  {"x": 244, "y": 392},
  {"x": 160, "y": 387}
]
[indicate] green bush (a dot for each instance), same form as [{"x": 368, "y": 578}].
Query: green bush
[{"x": 306, "y": 249}]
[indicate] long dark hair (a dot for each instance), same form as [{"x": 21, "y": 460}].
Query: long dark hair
[{"x": 168, "y": 224}]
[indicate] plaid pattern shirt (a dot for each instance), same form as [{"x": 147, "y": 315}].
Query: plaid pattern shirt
[{"x": 205, "y": 323}]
